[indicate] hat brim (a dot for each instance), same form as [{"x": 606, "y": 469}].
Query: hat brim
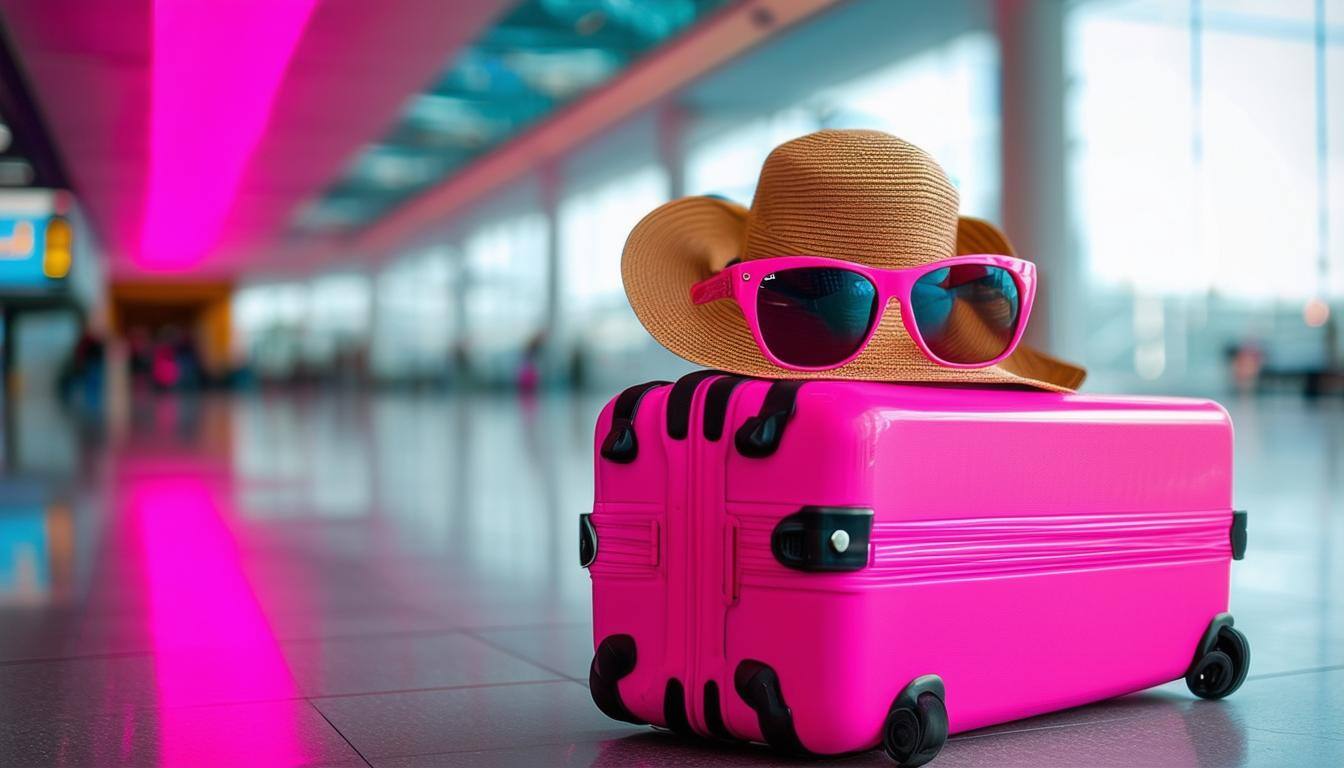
[{"x": 685, "y": 241}]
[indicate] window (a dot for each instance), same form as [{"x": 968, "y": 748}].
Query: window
[
  {"x": 1199, "y": 181},
  {"x": 338, "y": 317},
  {"x": 1195, "y": 156},
  {"x": 506, "y": 284},
  {"x": 729, "y": 164},
  {"x": 594, "y": 224},
  {"x": 415, "y": 326},
  {"x": 269, "y": 320},
  {"x": 945, "y": 102}
]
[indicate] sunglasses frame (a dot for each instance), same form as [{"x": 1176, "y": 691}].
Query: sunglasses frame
[{"x": 742, "y": 281}]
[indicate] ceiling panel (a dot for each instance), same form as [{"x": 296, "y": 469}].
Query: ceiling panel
[{"x": 90, "y": 64}]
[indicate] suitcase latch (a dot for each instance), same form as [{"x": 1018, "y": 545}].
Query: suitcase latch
[{"x": 823, "y": 539}]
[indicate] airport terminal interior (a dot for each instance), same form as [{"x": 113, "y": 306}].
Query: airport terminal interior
[{"x": 310, "y": 308}]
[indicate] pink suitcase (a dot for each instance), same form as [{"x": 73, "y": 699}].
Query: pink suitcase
[{"x": 831, "y": 566}]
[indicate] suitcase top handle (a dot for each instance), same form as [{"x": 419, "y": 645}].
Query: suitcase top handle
[
  {"x": 620, "y": 445},
  {"x": 716, "y": 405},
  {"x": 679, "y": 402},
  {"x": 758, "y": 437},
  {"x": 761, "y": 434}
]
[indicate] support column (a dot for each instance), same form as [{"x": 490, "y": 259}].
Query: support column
[
  {"x": 459, "y": 290},
  {"x": 551, "y": 181},
  {"x": 1033, "y": 139},
  {"x": 673, "y": 120}
]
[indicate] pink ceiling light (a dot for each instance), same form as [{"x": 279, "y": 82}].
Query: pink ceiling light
[{"x": 216, "y": 70}]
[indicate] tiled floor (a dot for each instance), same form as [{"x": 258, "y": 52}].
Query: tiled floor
[{"x": 344, "y": 580}]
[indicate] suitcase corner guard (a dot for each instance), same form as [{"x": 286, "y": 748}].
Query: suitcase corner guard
[
  {"x": 615, "y": 658},
  {"x": 758, "y": 685},
  {"x": 674, "y": 709}
]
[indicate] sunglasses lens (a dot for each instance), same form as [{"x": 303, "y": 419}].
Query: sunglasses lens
[
  {"x": 966, "y": 314},
  {"x": 815, "y": 317}
]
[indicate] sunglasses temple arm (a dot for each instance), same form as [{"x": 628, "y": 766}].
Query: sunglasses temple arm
[{"x": 719, "y": 286}]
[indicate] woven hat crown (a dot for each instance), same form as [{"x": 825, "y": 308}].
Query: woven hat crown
[{"x": 862, "y": 196}]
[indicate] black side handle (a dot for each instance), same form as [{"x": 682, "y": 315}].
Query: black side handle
[
  {"x": 620, "y": 444},
  {"x": 587, "y": 540},
  {"x": 1238, "y": 534},
  {"x": 827, "y": 539},
  {"x": 716, "y": 405},
  {"x": 760, "y": 435}
]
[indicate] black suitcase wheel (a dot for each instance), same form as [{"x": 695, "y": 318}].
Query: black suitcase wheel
[
  {"x": 1223, "y": 668},
  {"x": 913, "y": 736}
]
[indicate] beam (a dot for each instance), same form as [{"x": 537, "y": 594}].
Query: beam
[{"x": 661, "y": 74}]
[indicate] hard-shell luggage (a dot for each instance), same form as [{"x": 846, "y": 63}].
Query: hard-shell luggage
[{"x": 832, "y": 566}]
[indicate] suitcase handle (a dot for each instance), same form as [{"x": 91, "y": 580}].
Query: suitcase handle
[
  {"x": 620, "y": 444},
  {"x": 1237, "y": 534},
  {"x": 760, "y": 435},
  {"x": 679, "y": 402}
]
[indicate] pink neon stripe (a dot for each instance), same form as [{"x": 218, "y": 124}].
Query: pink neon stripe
[{"x": 216, "y": 70}]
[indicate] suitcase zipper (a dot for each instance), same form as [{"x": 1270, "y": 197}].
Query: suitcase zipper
[
  {"x": 684, "y": 527},
  {"x": 697, "y": 525},
  {"x": 707, "y": 537},
  {"x": 716, "y": 537},
  {"x": 711, "y": 579}
]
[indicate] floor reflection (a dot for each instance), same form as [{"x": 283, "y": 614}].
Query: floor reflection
[{"x": 210, "y": 640}]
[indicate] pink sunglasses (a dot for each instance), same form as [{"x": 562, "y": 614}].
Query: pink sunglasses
[{"x": 810, "y": 313}]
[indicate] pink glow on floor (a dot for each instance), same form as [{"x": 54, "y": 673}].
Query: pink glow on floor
[
  {"x": 216, "y": 70},
  {"x": 211, "y": 641}
]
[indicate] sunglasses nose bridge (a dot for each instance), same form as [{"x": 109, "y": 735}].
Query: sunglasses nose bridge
[
  {"x": 889, "y": 308},
  {"x": 889, "y": 323}
]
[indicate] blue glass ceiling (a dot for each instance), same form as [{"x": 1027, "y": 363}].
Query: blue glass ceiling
[{"x": 535, "y": 59}]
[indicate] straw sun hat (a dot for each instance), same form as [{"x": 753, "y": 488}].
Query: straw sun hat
[{"x": 861, "y": 196}]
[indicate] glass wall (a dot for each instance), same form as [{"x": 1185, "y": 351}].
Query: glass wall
[
  {"x": 416, "y": 318},
  {"x": 598, "y": 329},
  {"x": 944, "y": 101},
  {"x": 1205, "y": 185},
  {"x": 268, "y": 322},
  {"x": 338, "y": 323},
  {"x": 478, "y": 300},
  {"x": 319, "y": 327},
  {"x": 505, "y": 292},
  {"x": 729, "y": 163}
]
